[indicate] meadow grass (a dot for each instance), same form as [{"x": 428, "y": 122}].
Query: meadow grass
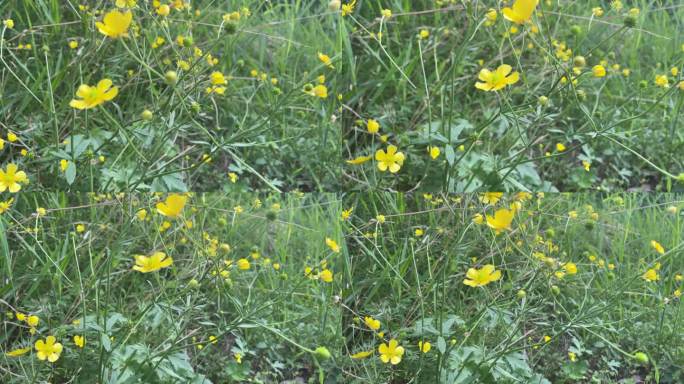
[{"x": 573, "y": 303}]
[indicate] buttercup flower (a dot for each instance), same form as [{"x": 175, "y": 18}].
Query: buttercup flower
[
  {"x": 172, "y": 206},
  {"x": 391, "y": 159},
  {"x": 48, "y": 349},
  {"x": 372, "y": 323},
  {"x": 391, "y": 353},
  {"x": 599, "y": 71},
  {"x": 153, "y": 263},
  {"x": 521, "y": 11},
  {"x": 494, "y": 81},
  {"x": 115, "y": 24},
  {"x": 79, "y": 341},
  {"x": 10, "y": 178},
  {"x": 481, "y": 277},
  {"x": 332, "y": 244},
  {"x": 659, "y": 248},
  {"x": 91, "y": 97},
  {"x": 325, "y": 59},
  {"x": 348, "y": 8},
  {"x": 501, "y": 220}
]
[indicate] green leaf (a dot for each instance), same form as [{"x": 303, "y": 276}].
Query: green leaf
[
  {"x": 441, "y": 345},
  {"x": 450, "y": 154},
  {"x": 70, "y": 173}
]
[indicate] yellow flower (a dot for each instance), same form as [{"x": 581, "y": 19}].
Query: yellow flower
[
  {"x": 79, "y": 341},
  {"x": 386, "y": 13},
  {"x": 662, "y": 81},
  {"x": 325, "y": 59},
  {"x": 243, "y": 264},
  {"x": 501, "y": 220},
  {"x": 48, "y": 349},
  {"x": 5, "y": 205},
  {"x": 93, "y": 96},
  {"x": 164, "y": 10},
  {"x": 332, "y": 244},
  {"x": 373, "y": 126},
  {"x": 659, "y": 248},
  {"x": 560, "y": 147},
  {"x": 491, "y": 16},
  {"x": 361, "y": 354},
  {"x": 63, "y": 165},
  {"x": 157, "y": 261},
  {"x": 115, "y": 24},
  {"x": 33, "y": 320},
  {"x": 491, "y": 197},
  {"x": 17, "y": 352},
  {"x": 391, "y": 353},
  {"x": 391, "y": 159},
  {"x": 599, "y": 71},
  {"x": 348, "y": 8},
  {"x": 380, "y": 218},
  {"x": 478, "y": 218},
  {"x": 521, "y": 11},
  {"x": 10, "y": 178},
  {"x": 346, "y": 213},
  {"x": 326, "y": 275},
  {"x": 651, "y": 275},
  {"x": 424, "y": 346},
  {"x": 217, "y": 78},
  {"x": 9, "y": 23},
  {"x": 570, "y": 268},
  {"x": 424, "y": 34},
  {"x": 371, "y": 323},
  {"x": 434, "y": 152},
  {"x": 359, "y": 160},
  {"x": 172, "y": 206},
  {"x": 481, "y": 277},
  {"x": 126, "y": 3},
  {"x": 319, "y": 91},
  {"x": 597, "y": 11},
  {"x": 494, "y": 81}
]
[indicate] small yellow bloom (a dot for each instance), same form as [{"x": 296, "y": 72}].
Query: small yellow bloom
[
  {"x": 243, "y": 264},
  {"x": 10, "y": 178},
  {"x": 498, "y": 79},
  {"x": 597, "y": 11},
  {"x": 332, "y": 244},
  {"x": 560, "y": 147},
  {"x": 115, "y": 24},
  {"x": 521, "y": 11},
  {"x": 79, "y": 341},
  {"x": 391, "y": 353},
  {"x": 163, "y": 10},
  {"x": 501, "y": 220},
  {"x": 320, "y": 91},
  {"x": 153, "y": 263},
  {"x": 326, "y": 275},
  {"x": 662, "y": 81},
  {"x": 659, "y": 248},
  {"x": 48, "y": 349},
  {"x": 386, "y": 13},
  {"x": 348, "y": 8},
  {"x": 391, "y": 159},
  {"x": 651, "y": 275},
  {"x": 481, "y": 277},
  {"x": 126, "y": 3},
  {"x": 434, "y": 152},
  {"x": 325, "y": 59},
  {"x": 91, "y": 97},
  {"x": 73, "y": 44},
  {"x": 373, "y": 126},
  {"x": 372, "y": 323},
  {"x": 424, "y": 34},
  {"x": 424, "y": 346},
  {"x": 478, "y": 218},
  {"x": 599, "y": 71},
  {"x": 8, "y": 23},
  {"x": 172, "y": 206}
]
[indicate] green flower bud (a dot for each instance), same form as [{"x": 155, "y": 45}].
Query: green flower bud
[
  {"x": 641, "y": 357},
  {"x": 146, "y": 115},
  {"x": 323, "y": 353},
  {"x": 171, "y": 77}
]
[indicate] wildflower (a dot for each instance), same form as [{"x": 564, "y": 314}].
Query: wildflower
[
  {"x": 346, "y": 213},
  {"x": 599, "y": 71},
  {"x": 126, "y": 3},
  {"x": 217, "y": 78},
  {"x": 115, "y": 24},
  {"x": 380, "y": 218},
  {"x": 243, "y": 264},
  {"x": 17, "y": 352},
  {"x": 391, "y": 159},
  {"x": 8, "y": 23},
  {"x": 434, "y": 152},
  {"x": 359, "y": 160},
  {"x": 10, "y": 178},
  {"x": 325, "y": 59},
  {"x": 79, "y": 341},
  {"x": 361, "y": 354},
  {"x": 560, "y": 147},
  {"x": 372, "y": 323},
  {"x": 373, "y": 126},
  {"x": 153, "y": 263},
  {"x": 491, "y": 197},
  {"x": 73, "y": 44},
  {"x": 572, "y": 356},
  {"x": 478, "y": 218},
  {"x": 48, "y": 349},
  {"x": 570, "y": 268},
  {"x": 521, "y": 11},
  {"x": 491, "y": 17},
  {"x": 348, "y": 8},
  {"x": 419, "y": 232},
  {"x": 5, "y": 205},
  {"x": 238, "y": 357},
  {"x": 586, "y": 165},
  {"x": 597, "y": 11},
  {"x": 500, "y": 78},
  {"x": 319, "y": 91},
  {"x": 501, "y": 220},
  {"x": 662, "y": 81},
  {"x": 386, "y": 13},
  {"x": 424, "y": 346},
  {"x": 424, "y": 34},
  {"x": 172, "y": 206},
  {"x": 481, "y": 277},
  {"x": 163, "y": 10},
  {"x": 651, "y": 275},
  {"x": 659, "y": 248},
  {"x": 80, "y": 228},
  {"x": 332, "y": 244},
  {"x": 326, "y": 275},
  {"x": 391, "y": 353},
  {"x": 91, "y": 97}
]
